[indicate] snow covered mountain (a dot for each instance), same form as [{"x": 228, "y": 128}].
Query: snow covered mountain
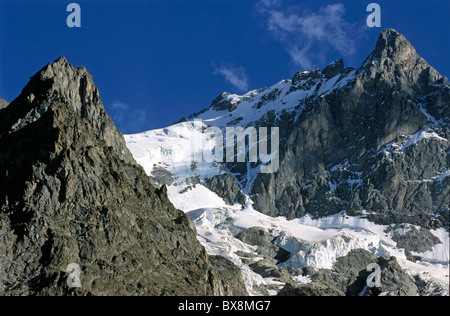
[{"x": 363, "y": 164}]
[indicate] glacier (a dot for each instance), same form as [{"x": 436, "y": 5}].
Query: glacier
[{"x": 311, "y": 242}]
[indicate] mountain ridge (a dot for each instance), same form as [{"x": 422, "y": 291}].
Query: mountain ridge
[
  {"x": 363, "y": 163},
  {"x": 333, "y": 102},
  {"x": 72, "y": 193}
]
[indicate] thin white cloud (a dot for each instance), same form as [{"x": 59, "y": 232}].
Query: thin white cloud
[
  {"x": 120, "y": 105},
  {"x": 305, "y": 34},
  {"x": 127, "y": 119},
  {"x": 300, "y": 57},
  {"x": 279, "y": 22},
  {"x": 236, "y": 76}
]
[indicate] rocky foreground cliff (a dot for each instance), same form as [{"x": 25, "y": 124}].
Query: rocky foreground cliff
[{"x": 71, "y": 193}]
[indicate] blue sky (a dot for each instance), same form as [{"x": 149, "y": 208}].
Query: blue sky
[{"x": 156, "y": 61}]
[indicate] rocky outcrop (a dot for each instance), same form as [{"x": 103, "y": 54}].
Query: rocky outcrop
[
  {"x": 429, "y": 287},
  {"x": 349, "y": 278},
  {"x": 414, "y": 239},
  {"x": 334, "y": 69},
  {"x": 3, "y": 104},
  {"x": 351, "y": 275},
  {"x": 223, "y": 103},
  {"x": 71, "y": 193},
  {"x": 322, "y": 285},
  {"x": 226, "y": 186},
  {"x": 257, "y": 236}
]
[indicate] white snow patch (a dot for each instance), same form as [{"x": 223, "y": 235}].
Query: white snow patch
[
  {"x": 399, "y": 147},
  {"x": 443, "y": 175},
  {"x": 440, "y": 252},
  {"x": 193, "y": 199},
  {"x": 303, "y": 279},
  {"x": 417, "y": 137}
]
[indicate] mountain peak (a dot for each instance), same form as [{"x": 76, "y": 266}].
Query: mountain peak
[
  {"x": 58, "y": 94},
  {"x": 71, "y": 193},
  {"x": 69, "y": 82},
  {"x": 61, "y": 60},
  {"x": 59, "y": 83},
  {"x": 334, "y": 69},
  {"x": 391, "y": 44},
  {"x": 397, "y": 62},
  {"x": 390, "y": 33}
]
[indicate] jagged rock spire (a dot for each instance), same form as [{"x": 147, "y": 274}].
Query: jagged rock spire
[
  {"x": 397, "y": 61},
  {"x": 70, "y": 192}
]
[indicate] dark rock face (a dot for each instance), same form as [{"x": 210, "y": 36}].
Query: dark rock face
[
  {"x": 415, "y": 239},
  {"x": 349, "y": 275},
  {"x": 226, "y": 186},
  {"x": 429, "y": 287},
  {"x": 71, "y": 192},
  {"x": 257, "y": 236},
  {"x": 334, "y": 69},
  {"x": 348, "y": 150},
  {"x": 160, "y": 177},
  {"x": 221, "y": 103},
  {"x": 322, "y": 285}
]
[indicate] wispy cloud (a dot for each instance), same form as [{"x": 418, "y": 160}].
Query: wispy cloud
[
  {"x": 127, "y": 119},
  {"x": 236, "y": 76},
  {"x": 305, "y": 34},
  {"x": 120, "y": 105}
]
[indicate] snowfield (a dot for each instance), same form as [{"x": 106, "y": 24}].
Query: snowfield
[
  {"x": 312, "y": 242},
  {"x": 315, "y": 243}
]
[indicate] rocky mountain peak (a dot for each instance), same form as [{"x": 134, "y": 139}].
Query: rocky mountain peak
[
  {"x": 223, "y": 102},
  {"x": 71, "y": 193},
  {"x": 393, "y": 99},
  {"x": 395, "y": 46},
  {"x": 396, "y": 62},
  {"x": 334, "y": 69},
  {"x": 68, "y": 84},
  {"x": 61, "y": 91}
]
